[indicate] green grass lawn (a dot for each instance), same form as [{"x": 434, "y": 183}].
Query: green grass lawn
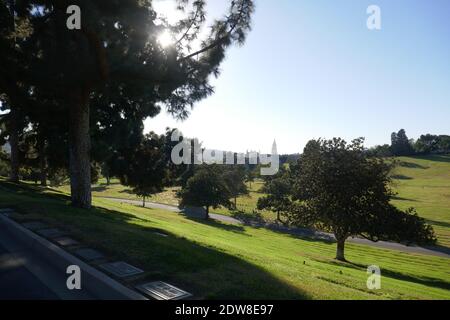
[
  {"x": 245, "y": 204},
  {"x": 215, "y": 260},
  {"x": 116, "y": 190},
  {"x": 424, "y": 183}
]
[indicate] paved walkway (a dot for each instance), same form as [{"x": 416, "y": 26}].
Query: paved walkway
[{"x": 302, "y": 232}]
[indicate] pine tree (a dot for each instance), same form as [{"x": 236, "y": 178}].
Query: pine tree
[{"x": 116, "y": 57}]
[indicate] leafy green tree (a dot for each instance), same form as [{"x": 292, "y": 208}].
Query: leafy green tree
[
  {"x": 106, "y": 172},
  {"x": 13, "y": 91},
  {"x": 400, "y": 144},
  {"x": 234, "y": 177},
  {"x": 146, "y": 167},
  {"x": 278, "y": 192},
  {"x": 116, "y": 57},
  {"x": 380, "y": 151},
  {"x": 426, "y": 144},
  {"x": 58, "y": 176},
  {"x": 431, "y": 143},
  {"x": 341, "y": 190},
  {"x": 177, "y": 173},
  {"x": 250, "y": 176},
  {"x": 206, "y": 189},
  {"x": 443, "y": 144},
  {"x": 4, "y": 164}
]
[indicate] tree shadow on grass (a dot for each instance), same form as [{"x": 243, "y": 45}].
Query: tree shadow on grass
[
  {"x": 202, "y": 270},
  {"x": 217, "y": 224},
  {"x": 412, "y": 165},
  {"x": 126, "y": 191},
  {"x": 198, "y": 215},
  {"x": 439, "y": 248},
  {"x": 439, "y": 223},
  {"x": 254, "y": 217},
  {"x": 21, "y": 188},
  {"x": 100, "y": 188},
  {"x": 403, "y": 199},
  {"x": 435, "y": 157},
  {"x": 427, "y": 281},
  {"x": 302, "y": 233},
  {"x": 401, "y": 177}
]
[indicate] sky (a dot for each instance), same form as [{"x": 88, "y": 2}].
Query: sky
[{"x": 312, "y": 69}]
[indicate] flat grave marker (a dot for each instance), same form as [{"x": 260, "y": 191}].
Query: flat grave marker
[
  {"x": 161, "y": 234},
  {"x": 121, "y": 269},
  {"x": 35, "y": 225},
  {"x": 162, "y": 291},
  {"x": 51, "y": 233},
  {"x": 89, "y": 254},
  {"x": 66, "y": 241}
]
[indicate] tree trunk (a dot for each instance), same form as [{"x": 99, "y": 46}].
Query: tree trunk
[
  {"x": 108, "y": 180},
  {"x": 235, "y": 203},
  {"x": 42, "y": 162},
  {"x": 278, "y": 216},
  {"x": 79, "y": 149},
  {"x": 143, "y": 201},
  {"x": 14, "y": 125},
  {"x": 43, "y": 172},
  {"x": 340, "y": 249},
  {"x": 207, "y": 213},
  {"x": 14, "y": 144}
]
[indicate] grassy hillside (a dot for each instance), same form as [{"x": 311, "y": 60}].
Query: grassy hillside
[
  {"x": 116, "y": 190},
  {"x": 215, "y": 260},
  {"x": 424, "y": 183}
]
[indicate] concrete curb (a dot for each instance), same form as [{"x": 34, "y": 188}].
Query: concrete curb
[{"x": 93, "y": 280}]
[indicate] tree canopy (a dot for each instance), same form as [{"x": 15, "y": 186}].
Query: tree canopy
[
  {"x": 400, "y": 144},
  {"x": 278, "y": 190},
  {"x": 112, "y": 72},
  {"x": 234, "y": 176},
  {"x": 145, "y": 169},
  {"x": 206, "y": 188}
]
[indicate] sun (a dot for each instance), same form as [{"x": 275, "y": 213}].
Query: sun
[{"x": 165, "y": 39}]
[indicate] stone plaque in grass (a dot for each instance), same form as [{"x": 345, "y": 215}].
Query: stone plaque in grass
[
  {"x": 121, "y": 269},
  {"x": 162, "y": 291},
  {"x": 34, "y": 225},
  {"x": 161, "y": 234},
  {"x": 65, "y": 242},
  {"x": 89, "y": 254},
  {"x": 51, "y": 233}
]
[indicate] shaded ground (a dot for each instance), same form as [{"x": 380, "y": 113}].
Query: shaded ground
[{"x": 26, "y": 276}]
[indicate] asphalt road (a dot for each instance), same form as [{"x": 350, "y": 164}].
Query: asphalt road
[
  {"x": 303, "y": 232},
  {"x": 26, "y": 276}
]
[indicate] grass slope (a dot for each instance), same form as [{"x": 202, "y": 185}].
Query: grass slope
[
  {"x": 215, "y": 260},
  {"x": 424, "y": 183},
  {"x": 116, "y": 190}
]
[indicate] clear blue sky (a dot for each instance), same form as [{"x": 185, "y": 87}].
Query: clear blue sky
[{"x": 312, "y": 69}]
